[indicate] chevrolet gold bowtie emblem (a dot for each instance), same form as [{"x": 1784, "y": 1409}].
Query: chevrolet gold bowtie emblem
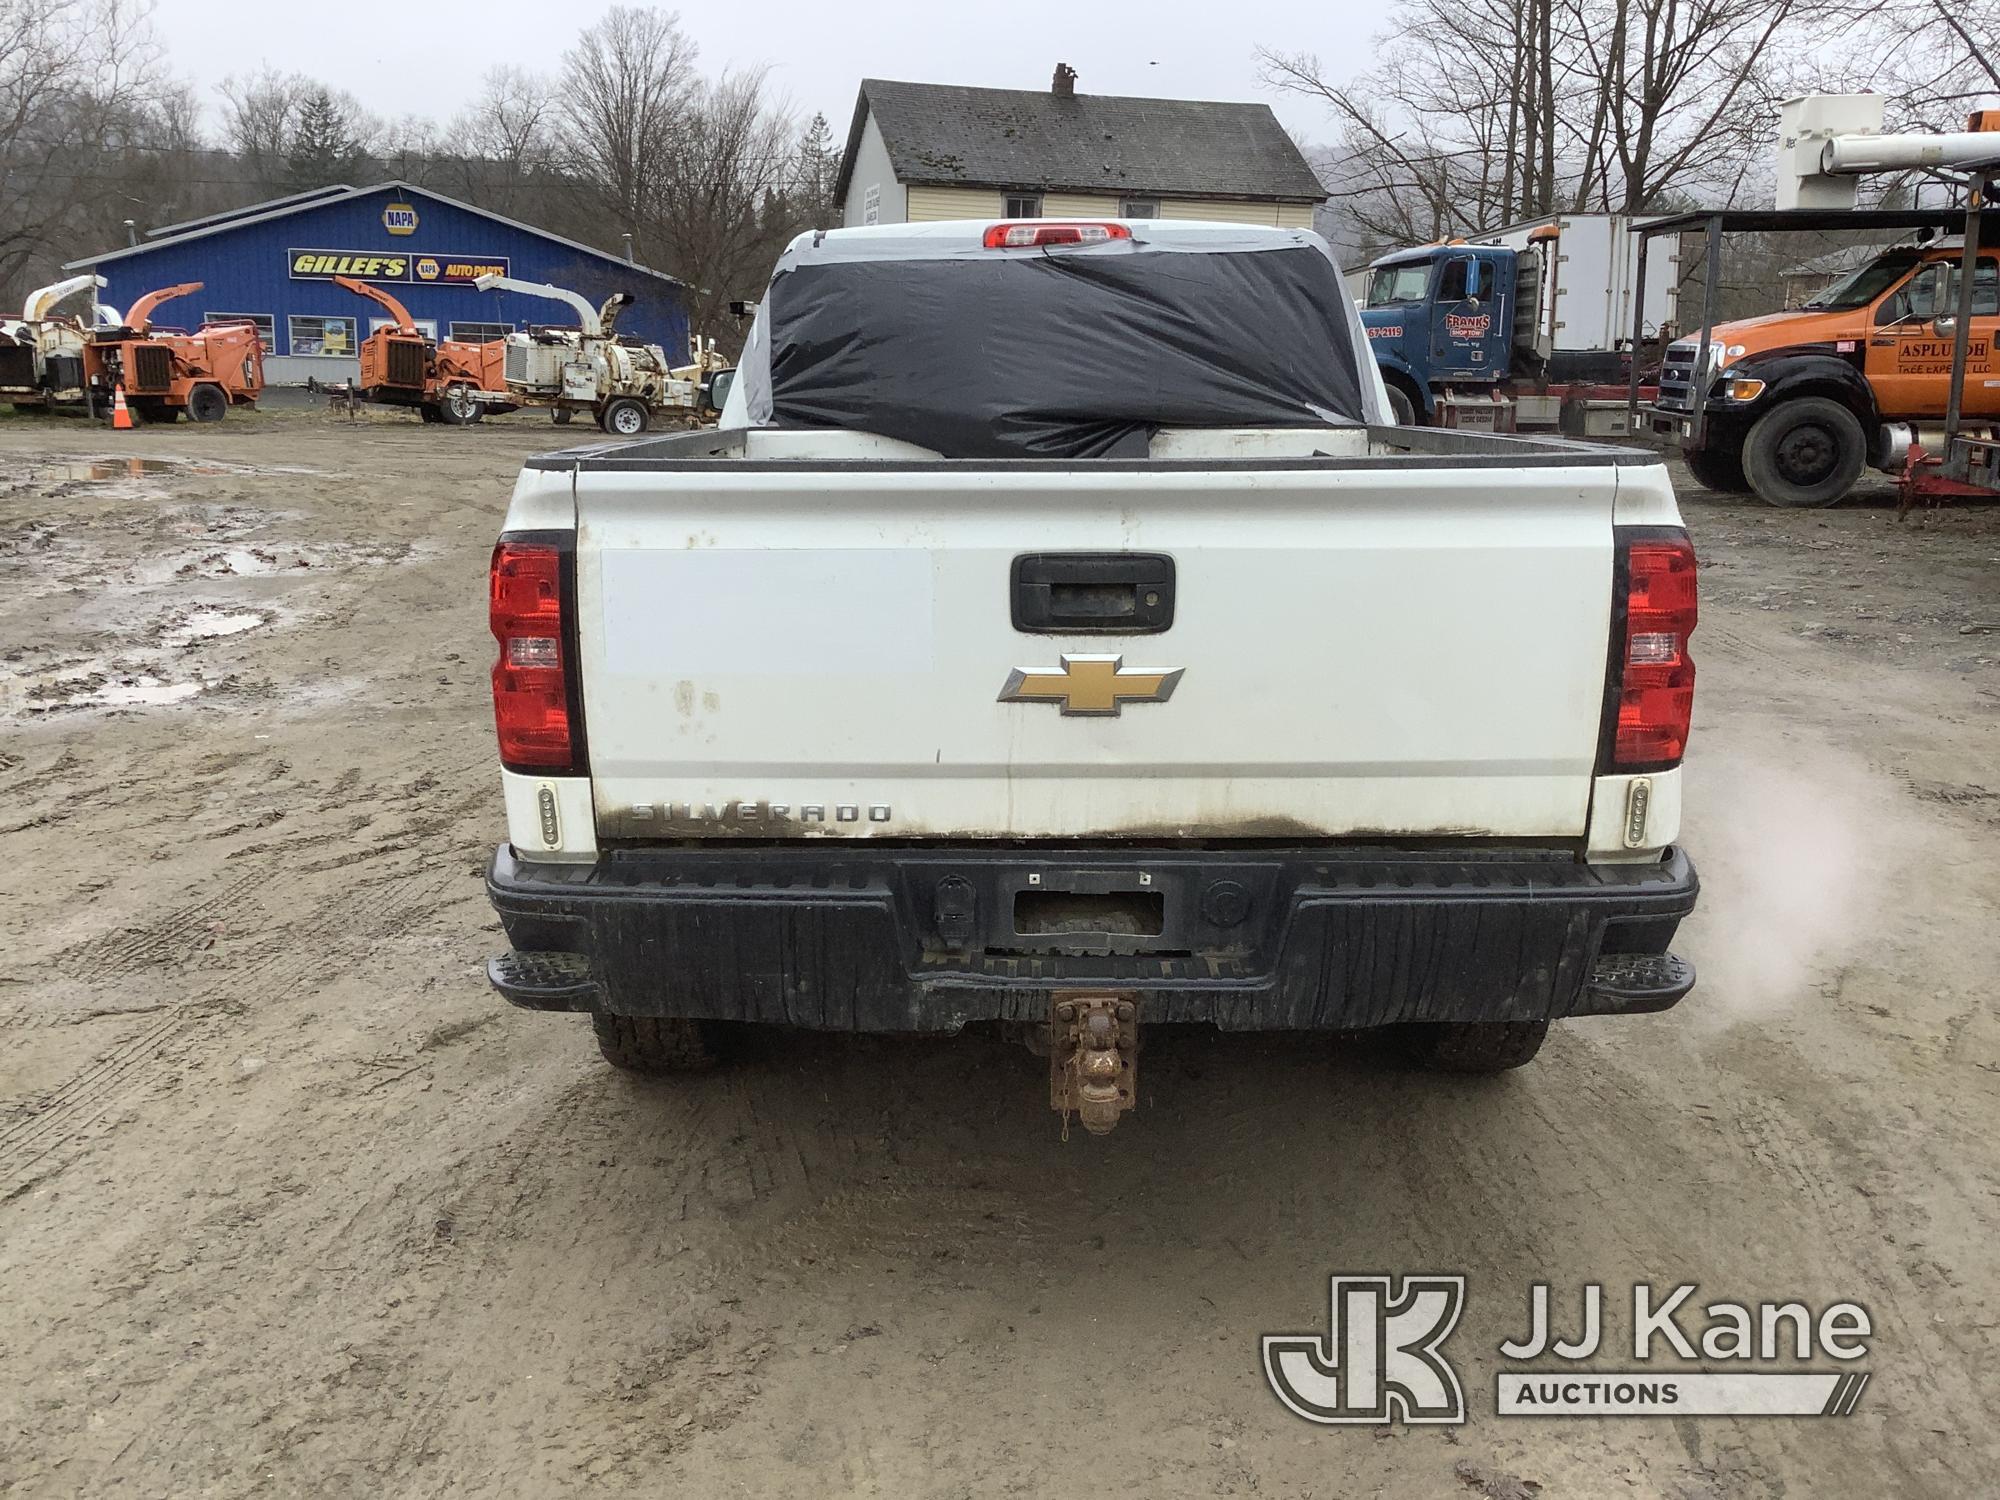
[{"x": 1090, "y": 685}]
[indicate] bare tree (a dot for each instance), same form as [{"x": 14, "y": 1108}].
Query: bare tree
[
  {"x": 720, "y": 206},
  {"x": 627, "y": 87},
  {"x": 1936, "y": 59},
  {"x": 1484, "y": 111},
  {"x": 1688, "y": 96},
  {"x": 259, "y": 118},
  {"x": 512, "y": 122},
  {"x": 501, "y": 150},
  {"x": 292, "y": 132},
  {"x": 160, "y": 170},
  {"x": 1439, "y": 139},
  {"x": 80, "y": 81},
  {"x": 412, "y": 148}
]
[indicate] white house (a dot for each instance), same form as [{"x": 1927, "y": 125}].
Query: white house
[{"x": 921, "y": 151}]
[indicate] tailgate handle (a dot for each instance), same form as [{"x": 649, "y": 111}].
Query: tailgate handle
[{"x": 1093, "y": 593}]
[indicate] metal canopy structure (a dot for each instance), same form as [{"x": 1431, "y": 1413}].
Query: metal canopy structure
[
  {"x": 1783, "y": 220},
  {"x": 1715, "y": 223}
]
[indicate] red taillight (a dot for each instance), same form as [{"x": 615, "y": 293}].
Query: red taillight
[
  {"x": 530, "y": 686},
  {"x": 1656, "y": 685},
  {"x": 1028, "y": 233}
]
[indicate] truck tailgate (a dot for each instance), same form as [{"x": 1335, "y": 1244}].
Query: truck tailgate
[{"x": 1403, "y": 649}]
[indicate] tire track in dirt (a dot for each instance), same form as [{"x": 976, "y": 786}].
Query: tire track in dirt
[
  {"x": 582, "y": 1147},
  {"x": 171, "y": 939},
  {"x": 272, "y": 954},
  {"x": 66, "y": 1112},
  {"x": 361, "y": 1386}
]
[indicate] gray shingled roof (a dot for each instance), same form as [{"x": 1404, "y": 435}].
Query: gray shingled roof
[{"x": 1020, "y": 138}]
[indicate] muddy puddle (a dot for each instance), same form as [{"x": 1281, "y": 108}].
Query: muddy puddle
[
  {"x": 245, "y": 561},
  {"x": 133, "y": 583},
  {"x": 154, "y": 670},
  {"x": 104, "y": 470},
  {"x": 98, "y": 684},
  {"x": 212, "y": 622}
]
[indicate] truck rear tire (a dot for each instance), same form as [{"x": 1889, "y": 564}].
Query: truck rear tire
[
  {"x": 656, "y": 1044},
  {"x": 1474, "y": 1046},
  {"x": 1805, "y": 452},
  {"x": 1718, "y": 469},
  {"x": 206, "y": 403}
]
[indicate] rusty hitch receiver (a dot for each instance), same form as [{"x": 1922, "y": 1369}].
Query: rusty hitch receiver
[{"x": 1094, "y": 1059}]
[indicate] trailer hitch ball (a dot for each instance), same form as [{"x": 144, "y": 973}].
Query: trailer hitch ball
[{"x": 1093, "y": 1060}]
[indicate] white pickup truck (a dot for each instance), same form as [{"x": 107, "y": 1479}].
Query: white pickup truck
[{"x": 1056, "y": 635}]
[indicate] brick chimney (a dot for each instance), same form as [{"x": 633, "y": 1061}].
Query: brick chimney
[{"x": 1065, "y": 85}]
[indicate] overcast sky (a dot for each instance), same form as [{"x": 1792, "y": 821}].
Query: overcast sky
[{"x": 427, "y": 58}]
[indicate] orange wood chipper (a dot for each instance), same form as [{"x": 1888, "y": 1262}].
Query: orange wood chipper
[
  {"x": 165, "y": 371},
  {"x": 446, "y": 381}
]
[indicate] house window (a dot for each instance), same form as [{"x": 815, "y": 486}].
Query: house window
[
  {"x": 1023, "y": 206},
  {"x": 480, "y": 333},
  {"x": 1139, "y": 208},
  {"x": 327, "y": 337},
  {"x": 426, "y": 326},
  {"x": 265, "y": 323}
]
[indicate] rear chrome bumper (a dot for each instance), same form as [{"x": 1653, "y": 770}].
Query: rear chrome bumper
[{"x": 879, "y": 937}]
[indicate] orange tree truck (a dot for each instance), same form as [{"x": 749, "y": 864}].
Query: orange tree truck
[{"x": 1799, "y": 402}]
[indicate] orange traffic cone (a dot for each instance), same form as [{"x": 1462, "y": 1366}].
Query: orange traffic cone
[{"x": 121, "y": 415}]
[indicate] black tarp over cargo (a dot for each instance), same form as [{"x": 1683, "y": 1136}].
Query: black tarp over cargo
[{"x": 1062, "y": 352}]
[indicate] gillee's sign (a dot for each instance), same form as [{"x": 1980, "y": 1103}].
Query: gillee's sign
[{"x": 434, "y": 267}]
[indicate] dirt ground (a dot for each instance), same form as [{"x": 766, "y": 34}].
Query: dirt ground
[{"x": 291, "y": 1204}]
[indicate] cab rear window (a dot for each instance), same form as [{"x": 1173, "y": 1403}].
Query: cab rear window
[{"x": 1080, "y": 353}]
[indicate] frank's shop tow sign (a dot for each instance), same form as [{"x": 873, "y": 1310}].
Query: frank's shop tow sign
[{"x": 393, "y": 265}]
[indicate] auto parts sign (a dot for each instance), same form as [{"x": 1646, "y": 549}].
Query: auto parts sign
[{"x": 435, "y": 267}]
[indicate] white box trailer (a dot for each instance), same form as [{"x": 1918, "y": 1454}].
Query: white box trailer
[{"x": 1597, "y": 269}]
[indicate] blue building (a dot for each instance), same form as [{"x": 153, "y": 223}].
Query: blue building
[{"x": 273, "y": 263}]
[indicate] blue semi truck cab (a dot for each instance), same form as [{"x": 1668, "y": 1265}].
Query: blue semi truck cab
[{"x": 1455, "y": 328}]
